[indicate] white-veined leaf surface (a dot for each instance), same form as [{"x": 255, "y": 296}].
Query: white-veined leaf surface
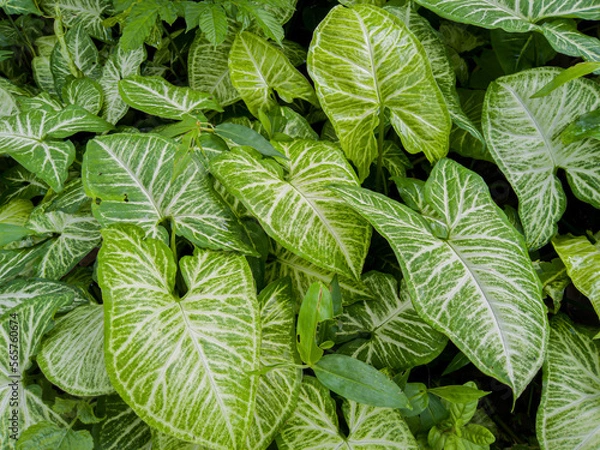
[
  {"x": 158, "y": 97},
  {"x": 523, "y": 137},
  {"x": 399, "y": 338},
  {"x": 257, "y": 68},
  {"x": 365, "y": 63},
  {"x": 19, "y": 291},
  {"x": 469, "y": 276},
  {"x": 84, "y": 92},
  {"x": 72, "y": 354},
  {"x": 314, "y": 425},
  {"x": 569, "y": 413},
  {"x": 122, "y": 429},
  {"x": 88, "y": 13},
  {"x": 334, "y": 237},
  {"x": 564, "y": 38},
  {"x": 582, "y": 261},
  {"x": 131, "y": 176},
  {"x": 74, "y": 119},
  {"x": 20, "y": 262},
  {"x": 184, "y": 365}
]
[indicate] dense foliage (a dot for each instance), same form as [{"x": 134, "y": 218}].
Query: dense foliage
[{"x": 236, "y": 224}]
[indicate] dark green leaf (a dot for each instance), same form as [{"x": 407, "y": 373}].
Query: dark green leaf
[{"x": 242, "y": 135}]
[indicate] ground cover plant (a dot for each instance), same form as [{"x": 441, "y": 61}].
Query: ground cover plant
[{"x": 239, "y": 224}]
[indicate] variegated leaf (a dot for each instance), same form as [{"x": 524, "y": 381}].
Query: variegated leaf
[
  {"x": 121, "y": 64},
  {"x": 208, "y": 68},
  {"x": 18, "y": 182},
  {"x": 74, "y": 119},
  {"x": 122, "y": 429},
  {"x": 564, "y": 38},
  {"x": 201, "y": 349},
  {"x": 468, "y": 273},
  {"x": 554, "y": 278},
  {"x": 377, "y": 68},
  {"x": 131, "y": 176},
  {"x": 582, "y": 261},
  {"x": 278, "y": 388},
  {"x": 158, "y": 97},
  {"x": 88, "y": 13},
  {"x": 20, "y": 262},
  {"x": 521, "y": 133},
  {"x": 257, "y": 69},
  {"x": 314, "y": 424},
  {"x": 19, "y": 291},
  {"x": 398, "y": 337},
  {"x": 13, "y": 217},
  {"x": 72, "y": 354},
  {"x": 516, "y": 17},
  {"x": 84, "y": 92},
  {"x": 334, "y": 237},
  {"x": 23, "y": 137},
  {"x": 304, "y": 273},
  {"x": 21, "y": 329},
  {"x": 569, "y": 411}
]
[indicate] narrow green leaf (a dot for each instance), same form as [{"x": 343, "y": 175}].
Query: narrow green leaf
[
  {"x": 458, "y": 394},
  {"x": 573, "y": 72},
  {"x": 316, "y": 307},
  {"x": 585, "y": 126},
  {"x": 246, "y": 136},
  {"x": 13, "y": 217}
]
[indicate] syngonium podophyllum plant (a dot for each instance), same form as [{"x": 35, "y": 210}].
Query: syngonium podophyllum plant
[{"x": 217, "y": 232}]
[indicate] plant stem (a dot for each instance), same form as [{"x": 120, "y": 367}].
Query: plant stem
[
  {"x": 380, "y": 136},
  {"x": 22, "y": 35},
  {"x": 175, "y": 49}
]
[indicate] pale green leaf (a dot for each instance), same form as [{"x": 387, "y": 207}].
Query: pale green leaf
[
  {"x": 158, "y": 97},
  {"x": 314, "y": 425},
  {"x": 139, "y": 23},
  {"x": 582, "y": 261},
  {"x": 458, "y": 394},
  {"x": 208, "y": 68},
  {"x": 516, "y": 17},
  {"x": 335, "y": 237},
  {"x": 377, "y": 69},
  {"x": 131, "y": 175},
  {"x": 20, "y": 7},
  {"x": 564, "y": 38},
  {"x": 74, "y": 119},
  {"x": 18, "y": 291},
  {"x": 257, "y": 69},
  {"x": 44, "y": 435},
  {"x": 554, "y": 278},
  {"x": 122, "y": 429},
  {"x": 88, "y": 13},
  {"x": 398, "y": 337},
  {"x": 72, "y": 355},
  {"x": 569, "y": 411},
  {"x": 573, "y": 72},
  {"x": 22, "y": 137},
  {"x": 523, "y": 136},
  {"x": 13, "y": 217},
  {"x": 201, "y": 349},
  {"x": 470, "y": 277},
  {"x": 303, "y": 273},
  {"x": 84, "y": 92},
  {"x": 120, "y": 64}
]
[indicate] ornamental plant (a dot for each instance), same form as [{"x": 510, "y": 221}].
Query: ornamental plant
[{"x": 239, "y": 224}]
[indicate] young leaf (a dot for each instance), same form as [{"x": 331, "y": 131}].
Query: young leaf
[
  {"x": 568, "y": 413},
  {"x": 257, "y": 68},
  {"x": 586, "y": 125},
  {"x": 387, "y": 71},
  {"x": 475, "y": 266},
  {"x": 242, "y": 135},
  {"x": 458, "y": 394},
  {"x": 131, "y": 176},
  {"x": 302, "y": 198},
  {"x": 139, "y": 23},
  {"x": 316, "y": 307},
  {"x": 210, "y": 17},
  {"x": 359, "y": 382},
  {"x": 314, "y": 424},
  {"x": 50, "y": 435},
  {"x": 573, "y": 72},
  {"x": 523, "y": 137},
  {"x": 158, "y": 97},
  {"x": 201, "y": 349}
]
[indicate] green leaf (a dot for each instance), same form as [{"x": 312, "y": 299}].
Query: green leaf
[
  {"x": 20, "y": 7},
  {"x": 88, "y": 13},
  {"x": 50, "y": 435},
  {"x": 20, "y": 262},
  {"x": 208, "y": 68},
  {"x": 22, "y": 137},
  {"x": 242, "y": 135},
  {"x": 13, "y": 217},
  {"x": 554, "y": 278},
  {"x": 122, "y": 429},
  {"x": 158, "y": 97},
  {"x": 130, "y": 175},
  {"x": 316, "y": 307},
  {"x": 359, "y": 382},
  {"x": 463, "y": 142},
  {"x": 582, "y": 261},
  {"x": 386, "y": 72},
  {"x": 520, "y": 51},
  {"x": 74, "y": 119},
  {"x": 139, "y": 24},
  {"x": 84, "y": 92},
  {"x": 257, "y": 69},
  {"x": 472, "y": 264},
  {"x": 568, "y": 414},
  {"x": 523, "y": 136},
  {"x": 268, "y": 23},
  {"x": 201, "y": 349},
  {"x": 398, "y": 337},
  {"x": 314, "y": 425},
  {"x": 458, "y": 394},
  {"x": 278, "y": 388},
  {"x": 120, "y": 64},
  {"x": 72, "y": 355},
  {"x": 573, "y": 72},
  {"x": 18, "y": 291},
  {"x": 564, "y": 38},
  {"x": 301, "y": 199},
  {"x": 303, "y": 273},
  {"x": 18, "y": 182},
  {"x": 514, "y": 17}
]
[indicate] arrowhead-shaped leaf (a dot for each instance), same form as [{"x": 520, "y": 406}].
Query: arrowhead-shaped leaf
[
  {"x": 131, "y": 176},
  {"x": 335, "y": 237},
  {"x": 399, "y": 338},
  {"x": 469, "y": 275},
  {"x": 387, "y": 71},
  {"x": 74, "y": 119},
  {"x": 314, "y": 424},
  {"x": 257, "y": 69},
  {"x": 88, "y": 13},
  {"x": 158, "y": 97},
  {"x": 202, "y": 348},
  {"x": 569, "y": 411},
  {"x": 523, "y": 137}
]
